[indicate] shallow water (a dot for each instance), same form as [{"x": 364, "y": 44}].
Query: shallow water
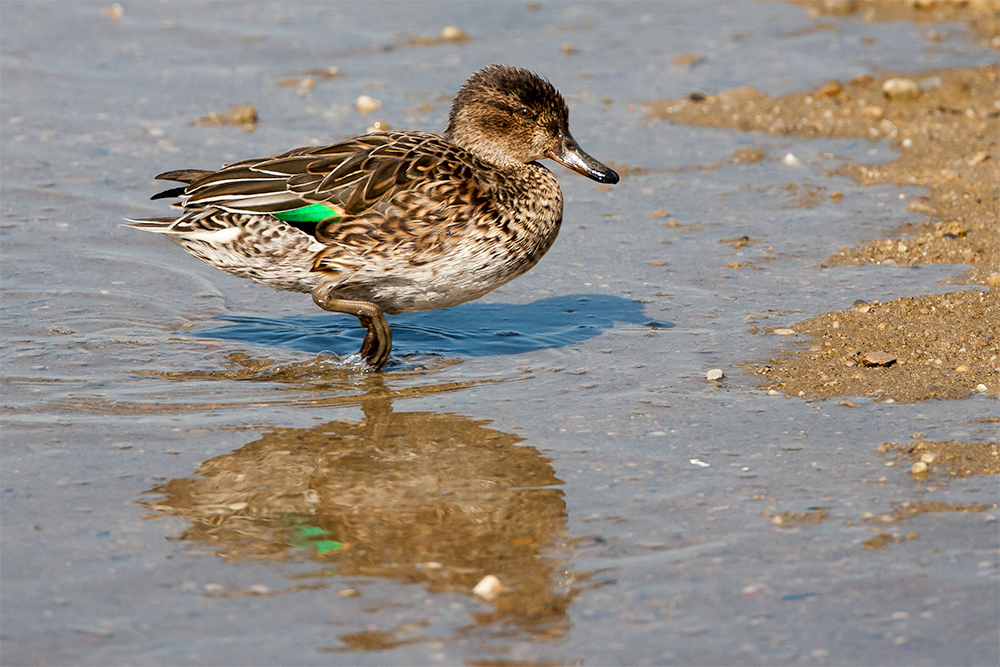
[{"x": 191, "y": 474}]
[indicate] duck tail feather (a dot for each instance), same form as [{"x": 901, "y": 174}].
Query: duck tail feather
[
  {"x": 156, "y": 225},
  {"x": 171, "y": 193},
  {"x": 183, "y": 175}
]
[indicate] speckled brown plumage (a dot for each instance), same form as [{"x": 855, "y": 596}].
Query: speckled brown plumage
[{"x": 393, "y": 221}]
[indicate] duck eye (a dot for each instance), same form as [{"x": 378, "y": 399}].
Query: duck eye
[{"x": 525, "y": 112}]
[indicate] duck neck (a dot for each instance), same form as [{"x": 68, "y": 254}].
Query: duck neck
[
  {"x": 465, "y": 132},
  {"x": 485, "y": 151}
]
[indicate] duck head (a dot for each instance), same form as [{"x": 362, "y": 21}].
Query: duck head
[{"x": 506, "y": 115}]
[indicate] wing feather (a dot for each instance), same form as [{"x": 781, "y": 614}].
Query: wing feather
[{"x": 361, "y": 175}]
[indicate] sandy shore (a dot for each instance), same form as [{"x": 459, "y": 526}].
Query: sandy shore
[{"x": 945, "y": 125}]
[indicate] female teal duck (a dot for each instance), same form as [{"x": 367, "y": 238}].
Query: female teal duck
[{"x": 393, "y": 222}]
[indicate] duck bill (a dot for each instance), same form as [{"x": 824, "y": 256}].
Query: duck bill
[{"x": 570, "y": 155}]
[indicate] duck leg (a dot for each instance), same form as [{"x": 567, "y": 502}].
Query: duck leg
[{"x": 378, "y": 340}]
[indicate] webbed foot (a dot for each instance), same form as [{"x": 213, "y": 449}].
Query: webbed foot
[{"x": 377, "y": 344}]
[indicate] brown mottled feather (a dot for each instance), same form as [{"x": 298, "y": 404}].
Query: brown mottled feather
[{"x": 357, "y": 175}]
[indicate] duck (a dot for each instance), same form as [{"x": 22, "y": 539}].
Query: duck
[{"x": 392, "y": 221}]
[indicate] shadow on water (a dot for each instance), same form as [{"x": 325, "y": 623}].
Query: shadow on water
[
  {"x": 330, "y": 378},
  {"x": 415, "y": 497},
  {"x": 468, "y": 330}
]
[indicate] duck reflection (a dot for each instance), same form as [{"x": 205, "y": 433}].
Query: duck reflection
[{"x": 419, "y": 497}]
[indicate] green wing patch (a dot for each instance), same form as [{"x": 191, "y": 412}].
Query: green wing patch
[{"x": 310, "y": 213}]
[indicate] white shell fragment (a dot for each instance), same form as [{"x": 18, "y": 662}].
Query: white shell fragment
[
  {"x": 367, "y": 104},
  {"x": 488, "y": 588},
  {"x": 901, "y": 89},
  {"x": 452, "y": 33}
]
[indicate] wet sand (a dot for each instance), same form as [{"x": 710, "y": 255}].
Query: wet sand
[
  {"x": 980, "y": 15},
  {"x": 946, "y": 134},
  {"x": 935, "y": 346}
]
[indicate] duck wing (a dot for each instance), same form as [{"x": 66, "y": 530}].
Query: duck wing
[{"x": 310, "y": 184}]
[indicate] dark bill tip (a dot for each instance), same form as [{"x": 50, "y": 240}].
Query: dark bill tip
[
  {"x": 609, "y": 176},
  {"x": 570, "y": 155}
]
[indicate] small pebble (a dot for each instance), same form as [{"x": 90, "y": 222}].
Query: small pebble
[
  {"x": 748, "y": 155},
  {"x": 687, "y": 59},
  {"x": 488, "y": 588},
  {"x": 453, "y": 33},
  {"x": 114, "y": 12},
  {"x": 901, "y": 89},
  {"x": 927, "y": 457},
  {"x": 366, "y": 104},
  {"x": 715, "y": 374},
  {"x": 349, "y": 593},
  {"x": 877, "y": 358},
  {"x": 873, "y": 111},
  {"x": 978, "y": 157},
  {"x": 828, "y": 89},
  {"x": 839, "y": 7},
  {"x": 981, "y": 388},
  {"x": 784, "y": 332},
  {"x": 241, "y": 114},
  {"x": 790, "y": 160},
  {"x": 918, "y": 468}
]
